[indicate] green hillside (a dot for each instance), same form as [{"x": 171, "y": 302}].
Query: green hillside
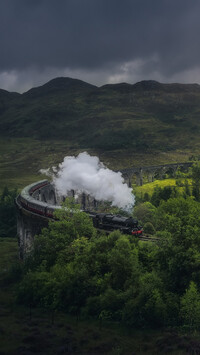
[
  {"x": 141, "y": 124},
  {"x": 147, "y": 116}
]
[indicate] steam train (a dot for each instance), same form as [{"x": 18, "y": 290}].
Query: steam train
[
  {"x": 108, "y": 222},
  {"x": 126, "y": 225}
]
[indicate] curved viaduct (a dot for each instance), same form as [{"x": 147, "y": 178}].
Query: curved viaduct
[
  {"x": 35, "y": 207},
  {"x": 37, "y": 202}
]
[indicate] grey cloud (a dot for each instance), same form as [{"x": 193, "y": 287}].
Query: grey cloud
[{"x": 89, "y": 35}]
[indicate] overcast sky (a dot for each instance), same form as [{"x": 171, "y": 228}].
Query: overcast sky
[{"x": 98, "y": 41}]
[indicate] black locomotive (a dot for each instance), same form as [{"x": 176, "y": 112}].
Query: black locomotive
[{"x": 126, "y": 225}]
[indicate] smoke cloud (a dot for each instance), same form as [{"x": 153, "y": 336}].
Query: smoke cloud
[{"x": 87, "y": 174}]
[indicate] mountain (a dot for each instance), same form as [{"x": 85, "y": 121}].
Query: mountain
[
  {"x": 147, "y": 116},
  {"x": 57, "y": 85}
]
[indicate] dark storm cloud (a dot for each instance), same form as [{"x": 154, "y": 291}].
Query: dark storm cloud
[{"x": 99, "y": 34}]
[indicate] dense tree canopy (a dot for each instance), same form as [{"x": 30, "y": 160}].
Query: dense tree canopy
[{"x": 115, "y": 276}]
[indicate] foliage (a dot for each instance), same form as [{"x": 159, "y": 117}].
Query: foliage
[
  {"x": 19, "y": 322},
  {"x": 115, "y": 277},
  {"x": 179, "y": 253},
  {"x": 190, "y": 307},
  {"x": 163, "y": 194},
  {"x": 186, "y": 191},
  {"x": 146, "y": 197},
  {"x": 8, "y": 213},
  {"x": 70, "y": 224},
  {"x": 144, "y": 212},
  {"x": 196, "y": 181},
  {"x": 180, "y": 187},
  {"x": 149, "y": 228}
]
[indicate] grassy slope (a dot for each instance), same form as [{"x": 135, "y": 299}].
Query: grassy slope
[{"x": 22, "y": 158}]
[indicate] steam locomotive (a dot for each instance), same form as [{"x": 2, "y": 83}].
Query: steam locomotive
[
  {"x": 109, "y": 222},
  {"x": 126, "y": 225}
]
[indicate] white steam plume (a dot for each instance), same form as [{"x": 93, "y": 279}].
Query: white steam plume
[{"x": 87, "y": 174}]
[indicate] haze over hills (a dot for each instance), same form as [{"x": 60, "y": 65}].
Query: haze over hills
[{"x": 147, "y": 116}]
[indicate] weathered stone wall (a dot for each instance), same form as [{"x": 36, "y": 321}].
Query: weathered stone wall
[
  {"x": 46, "y": 194},
  {"x": 28, "y": 225}
]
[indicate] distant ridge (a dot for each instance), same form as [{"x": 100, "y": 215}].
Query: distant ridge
[
  {"x": 65, "y": 83},
  {"x": 152, "y": 85}
]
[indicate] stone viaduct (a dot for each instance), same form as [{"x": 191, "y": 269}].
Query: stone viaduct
[
  {"x": 35, "y": 207},
  {"x": 37, "y": 202},
  {"x": 152, "y": 172}
]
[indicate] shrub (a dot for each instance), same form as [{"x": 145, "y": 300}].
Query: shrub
[{"x": 149, "y": 228}]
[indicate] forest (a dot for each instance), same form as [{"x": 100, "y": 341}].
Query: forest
[{"x": 76, "y": 270}]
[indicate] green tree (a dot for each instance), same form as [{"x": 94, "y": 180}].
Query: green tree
[
  {"x": 147, "y": 306},
  {"x": 190, "y": 307},
  {"x": 8, "y": 213},
  {"x": 123, "y": 263},
  {"x": 164, "y": 194},
  {"x": 146, "y": 197},
  {"x": 70, "y": 224},
  {"x": 149, "y": 228},
  {"x": 144, "y": 212},
  {"x": 186, "y": 188},
  {"x": 196, "y": 181},
  {"x": 179, "y": 251},
  {"x": 156, "y": 196}
]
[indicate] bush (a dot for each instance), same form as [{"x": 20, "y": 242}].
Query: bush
[
  {"x": 144, "y": 212},
  {"x": 149, "y": 228}
]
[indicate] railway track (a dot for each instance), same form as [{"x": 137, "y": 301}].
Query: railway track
[{"x": 146, "y": 238}]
